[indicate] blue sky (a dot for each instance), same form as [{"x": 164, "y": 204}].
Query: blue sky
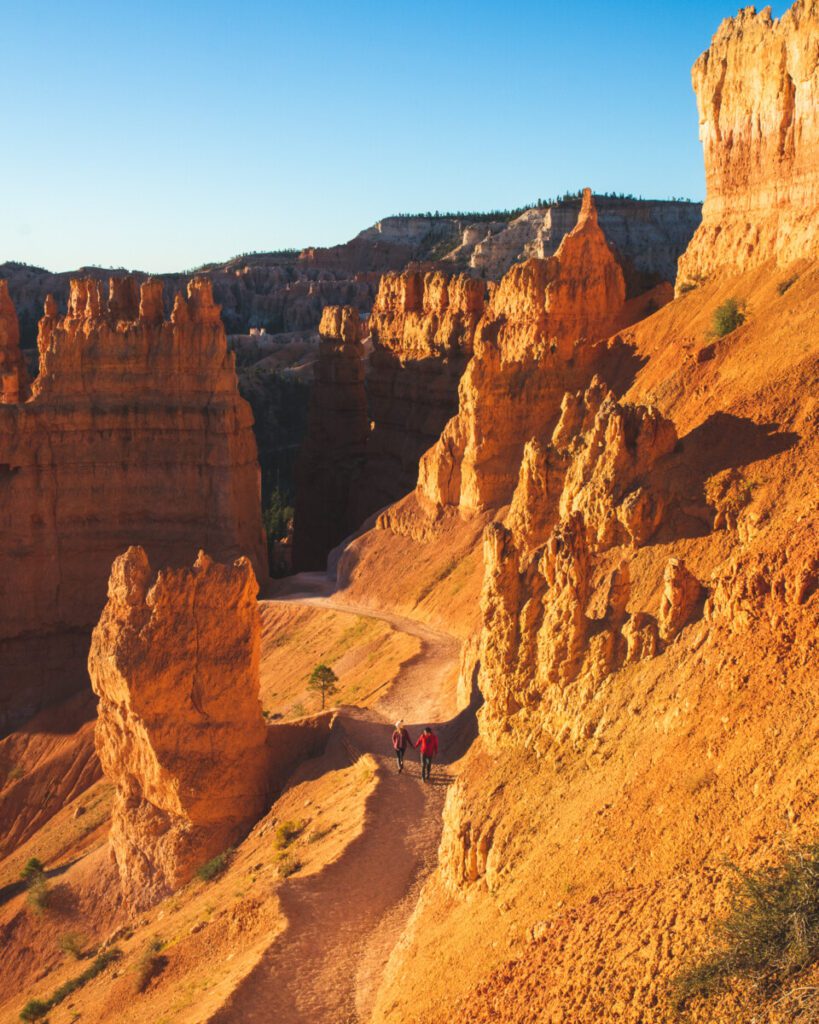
[{"x": 160, "y": 135}]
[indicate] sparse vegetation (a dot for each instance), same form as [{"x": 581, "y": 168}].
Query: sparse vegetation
[
  {"x": 319, "y": 833},
  {"x": 215, "y": 866},
  {"x": 287, "y": 832},
  {"x": 727, "y": 317},
  {"x": 14, "y": 773},
  {"x": 687, "y": 286},
  {"x": 298, "y": 710},
  {"x": 36, "y": 1009},
  {"x": 289, "y": 864},
  {"x": 72, "y": 943},
  {"x": 770, "y": 934},
  {"x": 323, "y": 680},
  {"x": 149, "y": 964},
  {"x": 33, "y": 874},
  {"x": 277, "y": 515},
  {"x": 783, "y": 286}
]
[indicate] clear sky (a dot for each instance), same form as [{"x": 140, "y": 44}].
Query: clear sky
[{"x": 161, "y": 134}]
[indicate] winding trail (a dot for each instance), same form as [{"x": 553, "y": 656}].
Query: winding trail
[{"x": 344, "y": 921}]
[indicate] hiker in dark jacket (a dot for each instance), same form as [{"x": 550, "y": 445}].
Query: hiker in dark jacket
[
  {"x": 400, "y": 741},
  {"x": 428, "y": 742}
]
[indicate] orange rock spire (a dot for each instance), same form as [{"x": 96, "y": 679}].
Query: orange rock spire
[{"x": 175, "y": 663}]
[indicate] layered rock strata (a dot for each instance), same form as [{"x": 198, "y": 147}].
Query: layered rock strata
[
  {"x": 175, "y": 663},
  {"x": 757, "y": 92},
  {"x": 134, "y": 433},
  {"x": 536, "y": 340}
]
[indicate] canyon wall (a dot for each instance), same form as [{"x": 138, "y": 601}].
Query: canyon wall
[
  {"x": 286, "y": 291},
  {"x": 134, "y": 433},
  {"x": 539, "y": 337},
  {"x": 377, "y": 406},
  {"x": 330, "y": 461},
  {"x": 757, "y": 92},
  {"x": 650, "y": 608},
  {"x": 648, "y": 237},
  {"x": 175, "y": 663}
]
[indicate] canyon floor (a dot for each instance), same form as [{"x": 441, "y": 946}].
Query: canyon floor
[{"x": 314, "y": 945}]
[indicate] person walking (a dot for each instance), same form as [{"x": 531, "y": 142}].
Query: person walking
[
  {"x": 400, "y": 741},
  {"x": 428, "y": 742}
]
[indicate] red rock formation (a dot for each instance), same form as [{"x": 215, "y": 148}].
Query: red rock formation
[
  {"x": 758, "y": 98},
  {"x": 592, "y": 490},
  {"x": 175, "y": 663},
  {"x": 682, "y": 592},
  {"x": 135, "y": 433},
  {"x": 534, "y": 343},
  {"x": 13, "y": 375},
  {"x": 373, "y": 413},
  {"x": 423, "y": 329},
  {"x": 329, "y": 468}
]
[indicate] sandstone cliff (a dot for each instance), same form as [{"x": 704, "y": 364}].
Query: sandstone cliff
[
  {"x": 175, "y": 663},
  {"x": 648, "y": 236},
  {"x": 537, "y": 339},
  {"x": 650, "y": 613},
  {"x": 376, "y": 407},
  {"x": 134, "y": 433},
  {"x": 757, "y": 92}
]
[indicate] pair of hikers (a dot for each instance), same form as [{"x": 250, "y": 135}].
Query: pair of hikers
[{"x": 427, "y": 741}]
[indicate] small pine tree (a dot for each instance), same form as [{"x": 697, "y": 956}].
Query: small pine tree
[{"x": 323, "y": 680}]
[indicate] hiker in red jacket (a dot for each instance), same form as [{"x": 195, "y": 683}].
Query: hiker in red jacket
[
  {"x": 400, "y": 741},
  {"x": 428, "y": 742}
]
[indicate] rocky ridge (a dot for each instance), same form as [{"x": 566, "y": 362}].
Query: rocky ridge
[{"x": 134, "y": 433}]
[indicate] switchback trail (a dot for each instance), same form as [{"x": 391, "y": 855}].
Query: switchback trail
[{"x": 343, "y": 921}]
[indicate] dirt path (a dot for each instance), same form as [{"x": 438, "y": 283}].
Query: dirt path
[{"x": 343, "y": 922}]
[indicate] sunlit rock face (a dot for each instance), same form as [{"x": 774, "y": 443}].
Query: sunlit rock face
[
  {"x": 537, "y": 339},
  {"x": 757, "y": 92},
  {"x": 134, "y": 433},
  {"x": 175, "y": 664}
]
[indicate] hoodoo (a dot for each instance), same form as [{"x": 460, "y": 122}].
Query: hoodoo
[
  {"x": 175, "y": 663},
  {"x": 135, "y": 433},
  {"x": 538, "y": 338}
]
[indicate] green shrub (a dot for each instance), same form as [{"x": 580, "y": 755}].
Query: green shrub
[
  {"x": 687, "y": 286},
  {"x": 289, "y": 864},
  {"x": 32, "y": 869},
  {"x": 33, "y": 874},
  {"x": 287, "y": 832},
  {"x": 770, "y": 934},
  {"x": 149, "y": 964},
  {"x": 727, "y": 317},
  {"x": 319, "y": 833},
  {"x": 215, "y": 866},
  {"x": 35, "y": 1009},
  {"x": 783, "y": 286},
  {"x": 72, "y": 943}
]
